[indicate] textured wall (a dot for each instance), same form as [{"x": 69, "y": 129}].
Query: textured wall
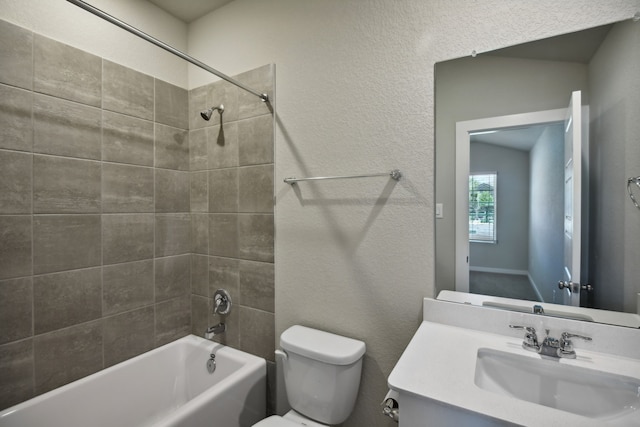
[
  {"x": 94, "y": 213},
  {"x": 546, "y": 237},
  {"x": 355, "y": 94},
  {"x": 616, "y": 153}
]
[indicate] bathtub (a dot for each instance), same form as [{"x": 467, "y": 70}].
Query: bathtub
[{"x": 168, "y": 386}]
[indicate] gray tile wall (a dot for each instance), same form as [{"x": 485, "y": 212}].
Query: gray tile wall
[
  {"x": 95, "y": 214},
  {"x": 122, "y": 211},
  {"x": 232, "y": 165}
]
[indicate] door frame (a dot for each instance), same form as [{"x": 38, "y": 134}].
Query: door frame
[{"x": 463, "y": 145}]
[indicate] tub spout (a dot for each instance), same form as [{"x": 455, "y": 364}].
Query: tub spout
[{"x": 215, "y": 330}]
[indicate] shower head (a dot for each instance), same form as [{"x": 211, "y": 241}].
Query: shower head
[{"x": 206, "y": 114}]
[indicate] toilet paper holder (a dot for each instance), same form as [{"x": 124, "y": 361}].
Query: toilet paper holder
[{"x": 390, "y": 407}]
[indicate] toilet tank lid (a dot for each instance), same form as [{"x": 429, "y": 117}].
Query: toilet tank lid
[{"x": 322, "y": 346}]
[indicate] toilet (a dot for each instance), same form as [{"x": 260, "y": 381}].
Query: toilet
[{"x": 321, "y": 375}]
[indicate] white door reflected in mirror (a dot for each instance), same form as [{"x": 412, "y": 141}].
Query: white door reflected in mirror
[{"x": 573, "y": 140}]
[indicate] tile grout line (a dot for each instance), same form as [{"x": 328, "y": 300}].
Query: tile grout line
[
  {"x": 102, "y": 209},
  {"x": 155, "y": 202},
  {"x": 33, "y": 295}
]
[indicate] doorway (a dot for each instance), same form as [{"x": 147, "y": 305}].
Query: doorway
[{"x": 527, "y": 217}]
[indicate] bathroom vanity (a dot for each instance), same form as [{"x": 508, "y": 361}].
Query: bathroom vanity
[
  {"x": 541, "y": 325},
  {"x": 465, "y": 365}
]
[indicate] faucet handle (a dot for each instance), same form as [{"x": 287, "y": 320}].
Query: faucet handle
[
  {"x": 222, "y": 302},
  {"x": 530, "y": 337},
  {"x": 566, "y": 335},
  {"x": 528, "y": 329},
  {"x": 566, "y": 346}
]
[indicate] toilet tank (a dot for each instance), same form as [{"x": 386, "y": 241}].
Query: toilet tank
[{"x": 321, "y": 373}]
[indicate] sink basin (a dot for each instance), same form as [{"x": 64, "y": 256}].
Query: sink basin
[{"x": 549, "y": 382}]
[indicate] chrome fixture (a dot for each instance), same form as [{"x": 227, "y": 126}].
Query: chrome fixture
[
  {"x": 390, "y": 409},
  {"x": 551, "y": 347},
  {"x": 563, "y": 284},
  {"x": 530, "y": 338},
  {"x": 395, "y": 174},
  {"x": 211, "y": 363},
  {"x": 221, "y": 306},
  {"x": 133, "y": 30},
  {"x": 212, "y": 331},
  {"x": 222, "y": 302},
  {"x": 537, "y": 309},
  {"x": 566, "y": 346},
  {"x": 206, "y": 114},
  {"x": 574, "y": 287}
]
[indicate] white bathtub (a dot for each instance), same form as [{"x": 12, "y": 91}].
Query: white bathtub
[{"x": 168, "y": 386}]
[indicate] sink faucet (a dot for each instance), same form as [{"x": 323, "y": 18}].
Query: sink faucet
[
  {"x": 215, "y": 330},
  {"x": 550, "y": 346}
]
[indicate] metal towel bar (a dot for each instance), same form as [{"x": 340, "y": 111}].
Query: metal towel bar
[{"x": 394, "y": 174}]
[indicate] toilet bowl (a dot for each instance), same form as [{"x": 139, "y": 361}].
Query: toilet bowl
[{"x": 322, "y": 377}]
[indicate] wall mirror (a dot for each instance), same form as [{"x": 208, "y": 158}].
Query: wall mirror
[{"x": 502, "y": 120}]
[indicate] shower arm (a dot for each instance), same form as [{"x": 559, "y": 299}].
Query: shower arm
[{"x": 133, "y": 30}]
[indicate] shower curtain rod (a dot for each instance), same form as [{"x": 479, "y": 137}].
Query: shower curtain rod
[{"x": 263, "y": 96}]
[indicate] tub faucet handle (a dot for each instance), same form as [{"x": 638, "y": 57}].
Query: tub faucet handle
[{"x": 222, "y": 302}]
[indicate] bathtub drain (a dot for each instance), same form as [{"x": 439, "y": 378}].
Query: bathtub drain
[{"x": 211, "y": 364}]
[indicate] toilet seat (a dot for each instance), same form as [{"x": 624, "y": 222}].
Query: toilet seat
[
  {"x": 276, "y": 421},
  {"x": 291, "y": 419}
]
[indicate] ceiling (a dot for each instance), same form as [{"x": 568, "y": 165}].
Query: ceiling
[
  {"x": 522, "y": 138},
  {"x": 574, "y": 47},
  {"x": 579, "y": 46},
  {"x": 189, "y": 10}
]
